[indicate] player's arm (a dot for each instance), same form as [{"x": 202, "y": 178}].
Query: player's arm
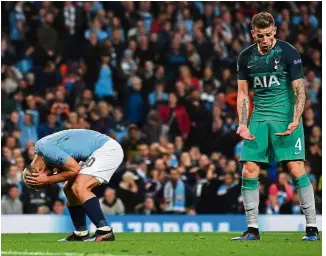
[
  {"x": 300, "y": 93},
  {"x": 243, "y": 102},
  {"x": 68, "y": 171},
  {"x": 54, "y": 156},
  {"x": 298, "y": 85},
  {"x": 243, "y": 99}
]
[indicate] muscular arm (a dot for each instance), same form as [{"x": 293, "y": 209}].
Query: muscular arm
[
  {"x": 243, "y": 102},
  {"x": 299, "y": 90},
  {"x": 68, "y": 171}
]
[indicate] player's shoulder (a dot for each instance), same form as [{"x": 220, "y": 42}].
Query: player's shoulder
[
  {"x": 244, "y": 54},
  {"x": 287, "y": 47}
]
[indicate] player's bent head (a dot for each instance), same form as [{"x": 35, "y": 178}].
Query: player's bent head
[
  {"x": 262, "y": 20},
  {"x": 27, "y": 171}
]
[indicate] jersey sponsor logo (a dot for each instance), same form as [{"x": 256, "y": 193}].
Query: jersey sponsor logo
[
  {"x": 297, "y": 61},
  {"x": 266, "y": 81}
]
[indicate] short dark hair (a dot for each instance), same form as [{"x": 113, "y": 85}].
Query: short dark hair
[
  {"x": 262, "y": 20},
  {"x": 30, "y": 169}
]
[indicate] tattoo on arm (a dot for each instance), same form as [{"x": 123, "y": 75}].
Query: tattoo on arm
[
  {"x": 244, "y": 113},
  {"x": 299, "y": 90}
]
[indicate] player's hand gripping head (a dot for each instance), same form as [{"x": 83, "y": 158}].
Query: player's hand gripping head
[
  {"x": 36, "y": 168},
  {"x": 263, "y": 31}
]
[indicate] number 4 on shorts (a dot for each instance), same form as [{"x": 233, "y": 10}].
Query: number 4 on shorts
[{"x": 298, "y": 145}]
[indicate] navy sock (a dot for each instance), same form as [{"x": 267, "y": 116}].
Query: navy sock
[
  {"x": 94, "y": 212},
  {"x": 78, "y": 217}
]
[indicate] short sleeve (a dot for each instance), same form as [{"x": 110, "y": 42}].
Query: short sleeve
[
  {"x": 51, "y": 154},
  {"x": 294, "y": 63},
  {"x": 242, "y": 72}
]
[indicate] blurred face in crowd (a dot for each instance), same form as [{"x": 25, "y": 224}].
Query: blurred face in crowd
[
  {"x": 14, "y": 117},
  {"x": 17, "y": 152},
  {"x": 73, "y": 118},
  {"x": 178, "y": 142},
  {"x": 143, "y": 150},
  {"x": 282, "y": 179},
  {"x": 185, "y": 159},
  {"x": 11, "y": 142},
  {"x": 232, "y": 166},
  {"x": 13, "y": 172},
  {"x": 316, "y": 131},
  {"x": 173, "y": 100},
  {"x": 149, "y": 203},
  {"x": 104, "y": 109},
  {"x": 51, "y": 119},
  {"x": 174, "y": 175},
  {"x": 132, "y": 45},
  {"x": 58, "y": 207},
  {"x": 159, "y": 165},
  {"x": 137, "y": 85},
  {"x": 109, "y": 195},
  {"x": 309, "y": 114},
  {"x": 20, "y": 162},
  {"x": 13, "y": 193},
  {"x": 49, "y": 18},
  {"x": 170, "y": 148},
  {"x": 228, "y": 179},
  {"x": 6, "y": 153},
  {"x": 203, "y": 161},
  {"x": 117, "y": 114},
  {"x": 264, "y": 37}
]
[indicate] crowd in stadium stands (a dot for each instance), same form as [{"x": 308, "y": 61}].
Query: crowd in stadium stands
[{"x": 160, "y": 78}]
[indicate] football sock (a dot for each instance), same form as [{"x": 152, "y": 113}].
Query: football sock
[
  {"x": 250, "y": 194},
  {"x": 306, "y": 198},
  {"x": 94, "y": 212},
  {"x": 81, "y": 233},
  {"x": 78, "y": 217}
]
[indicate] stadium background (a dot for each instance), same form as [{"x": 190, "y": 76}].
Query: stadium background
[{"x": 122, "y": 68}]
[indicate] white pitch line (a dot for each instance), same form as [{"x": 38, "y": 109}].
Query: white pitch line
[{"x": 60, "y": 253}]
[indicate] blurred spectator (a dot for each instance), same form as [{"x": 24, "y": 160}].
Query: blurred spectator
[
  {"x": 128, "y": 192},
  {"x": 58, "y": 207},
  {"x": 110, "y": 204},
  {"x": 43, "y": 209},
  {"x": 175, "y": 118},
  {"x": 10, "y": 203},
  {"x": 280, "y": 196},
  {"x": 148, "y": 207},
  {"x": 176, "y": 196}
]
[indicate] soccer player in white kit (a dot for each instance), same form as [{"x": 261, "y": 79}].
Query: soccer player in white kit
[{"x": 85, "y": 159}]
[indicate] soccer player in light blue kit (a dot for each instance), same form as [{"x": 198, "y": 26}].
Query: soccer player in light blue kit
[{"x": 85, "y": 159}]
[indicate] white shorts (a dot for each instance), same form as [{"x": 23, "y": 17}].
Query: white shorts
[{"x": 104, "y": 161}]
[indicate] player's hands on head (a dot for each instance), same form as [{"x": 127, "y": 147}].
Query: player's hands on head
[
  {"x": 37, "y": 178},
  {"x": 291, "y": 128},
  {"x": 244, "y": 132}
]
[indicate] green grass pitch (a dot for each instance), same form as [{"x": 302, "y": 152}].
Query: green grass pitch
[{"x": 281, "y": 244}]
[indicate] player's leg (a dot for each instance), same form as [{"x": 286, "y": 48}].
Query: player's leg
[
  {"x": 250, "y": 194},
  {"x": 306, "y": 198},
  {"x": 99, "y": 168},
  {"x": 77, "y": 215},
  {"x": 82, "y": 190},
  {"x": 254, "y": 152},
  {"x": 291, "y": 149}
]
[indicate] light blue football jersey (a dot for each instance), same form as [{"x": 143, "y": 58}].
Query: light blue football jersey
[{"x": 77, "y": 143}]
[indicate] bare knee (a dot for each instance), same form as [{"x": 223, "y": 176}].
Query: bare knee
[
  {"x": 78, "y": 189},
  {"x": 250, "y": 170},
  {"x": 296, "y": 168}
]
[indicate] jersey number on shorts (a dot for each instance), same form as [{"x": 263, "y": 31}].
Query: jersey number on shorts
[
  {"x": 298, "y": 144},
  {"x": 89, "y": 162}
]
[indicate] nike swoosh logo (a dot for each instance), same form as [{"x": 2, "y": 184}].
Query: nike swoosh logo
[
  {"x": 297, "y": 153},
  {"x": 250, "y": 66}
]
